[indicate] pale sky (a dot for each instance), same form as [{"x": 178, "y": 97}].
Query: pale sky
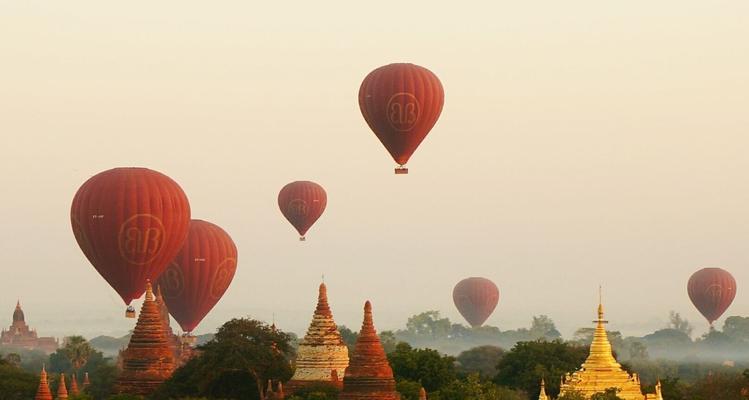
[{"x": 581, "y": 143}]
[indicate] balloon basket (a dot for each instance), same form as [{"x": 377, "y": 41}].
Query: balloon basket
[
  {"x": 401, "y": 170},
  {"x": 302, "y": 239}
]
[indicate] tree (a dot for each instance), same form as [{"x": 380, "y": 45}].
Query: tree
[
  {"x": 474, "y": 389},
  {"x": 103, "y": 379},
  {"x": 13, "y": 359},
  {"x": 609, "y": 394},
  {"x": 543, "y": 327},
  {"x": 73, "y": 356},
  {"x": 429, "y": 324},
  {"x": 482, "y": 360},
  {"x": 388, "y": 340},
  {"x": 425, "y": 366},
  {"x": 243, "y": 355},
  {"x": 349, "y": 337},
  {"x": 638, "y": 351},
  {"x": 315, "y": 392},
  {"x": 527, "y": 363},
  {"x": 572, "y": 395},
  {"x": 15, "y": 383},
  {"x": 737, "y": 328},
  {"x": 675, "y": 321}
]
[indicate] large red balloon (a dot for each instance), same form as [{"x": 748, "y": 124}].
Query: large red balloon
[
  {"x": 712, "y": 291},
  {"x": 130, "y": 223},
  {"x": 302, "y": 203},
  {"x": 476, "y": 299},
  {"x": 200, "y": 274},
  {"x": 401, "y": 103}
]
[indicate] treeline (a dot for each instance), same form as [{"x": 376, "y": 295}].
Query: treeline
[{"x": 673, "y": 342}]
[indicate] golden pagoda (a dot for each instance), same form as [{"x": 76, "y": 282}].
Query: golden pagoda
[
  {"x": 322, "y": 356},
  {"x": 601, "y": 371},
  {"x": 542, "y": 394}
]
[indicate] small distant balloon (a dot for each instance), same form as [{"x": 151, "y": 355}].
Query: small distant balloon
[
  {"x": 130, "y": 223},
  {"x": 712, "y": 291},
  {"x": 401, "y": 103},
  {"x": 200, "y": 274},
  {"x": 302, "y": 203},
  {"x": 476, "y": 299}
]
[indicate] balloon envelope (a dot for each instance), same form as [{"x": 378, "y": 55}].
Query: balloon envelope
[
  {"x": 200, "y": 274},
  {"x": 401, "y": 103},
  {"x": 476, "y": 299},
  {"x": 712, "y": 291},
  {"x": 302, "y": 203},
  {"x": 130, "y": 223}
]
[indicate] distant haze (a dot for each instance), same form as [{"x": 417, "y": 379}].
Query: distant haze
[{"x": 581, "y": 143}]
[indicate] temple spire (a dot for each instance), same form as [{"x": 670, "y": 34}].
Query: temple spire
[
  {"x": 601, "y": 355},
  {"x": 74, "y": 385},
  {"x": 542, "y": 395},
  {"x": 62, "y": 391},
  {"x": 86, "y": 382},
  {"x": 422, "y": 393},
  {"x": 43, "y": 393}
]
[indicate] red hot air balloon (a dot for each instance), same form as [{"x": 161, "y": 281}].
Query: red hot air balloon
[
  {"x": 130, "y": 223},
  {"x": 302, "y": 203},
  {"x": 200, "y": 274},
  {"x": 401, "y": 103},
  {"x": 476, "y": 299},
  {"x": 712, "y": 291}
]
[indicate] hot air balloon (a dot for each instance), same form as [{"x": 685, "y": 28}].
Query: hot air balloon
[
  {"x": 130, "y": 223},
  {"x": 302, "y": 203},
  {"x": 401, "y": 103},
  {"x": 476, "y": 299},
  {"x": 712, "y": 291},
  {"x": 200, "y": 274}
]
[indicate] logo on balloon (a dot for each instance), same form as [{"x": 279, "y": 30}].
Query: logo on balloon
[
  {"x": 141, "y": 239},
  {"x": 222, "y": 277},
  {"x": 403, "y": 111},
  {"x": 298, "y": 207},
  {"x": 714, "y": 291},
  {"x": 172, "y": 281}
]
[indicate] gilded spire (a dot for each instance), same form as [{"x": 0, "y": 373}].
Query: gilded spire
[
  {"x": 601, "y": 355},
  {"x": 43, "y": 392},
  {"x": 542, "y": 395},
  {"x": 62, "y": 391}
]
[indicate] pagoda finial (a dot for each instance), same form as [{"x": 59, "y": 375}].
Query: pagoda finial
[
  {"x": 149, "y": 290},
  {"x": 601, "y": 355},
  {"x": 542, "y": 394},
  {"x": 74, "y": 385}
]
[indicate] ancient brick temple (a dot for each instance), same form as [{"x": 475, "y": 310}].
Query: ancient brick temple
[
  {"x": 20, "y": 335},
  {"x": 322, "y": 355},
  {"x": 149, "y": 358},
  {"x": 368, "y": 376},
  {"x": 182, "y": 350},
  {"x": 43, "y": 393}
]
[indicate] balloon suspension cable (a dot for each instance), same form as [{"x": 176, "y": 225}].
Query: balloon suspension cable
[
  {"x": 401, "y": 170},
  {"x": 302, "y": 239}
]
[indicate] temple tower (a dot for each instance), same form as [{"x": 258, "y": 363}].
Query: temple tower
[
  {"x": 542, "y": 394},
  {"x": 74, "y": 385},
  {"x": 368, "y": 376},
  {"x": 601, "y": 371},
  {"x": 322, "y": 355},
  {"x": 43, "y": 393},
  {"x": 149, "y": 359},
  {"x": 62, "y": 391}
]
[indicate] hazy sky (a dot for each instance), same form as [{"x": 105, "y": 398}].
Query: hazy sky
[{"x": 581, "y": 143}]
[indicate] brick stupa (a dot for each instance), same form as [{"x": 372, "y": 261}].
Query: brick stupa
[
  {"x": 43, "y": 393},
  {"x": 62, "y": 391},
  {"x": 368, "y": 376},
  {"x": 322, "y": 355},
  {"x": 149, "y": 359},
  {"x": 74, "y": 385}
]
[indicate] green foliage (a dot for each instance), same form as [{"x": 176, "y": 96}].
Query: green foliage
[
  {"x": 428, "y": 367},
  {"x": 573, "y": 395},
  {"x": 316, "y": 392},
  {"x": 482, "y": 360},
  {"x": 676, "y": 322},
  {"x": 349, "y": 337},
  {"x": 527, "y": 363},
  {"x": 15, "y": 383},
  {"x": 609, "y": 394},
  {"x": 719, "y": 386},
  {"x": 409, "y": 390},
  {"x": 103, "y": 378},
  {"x": 473, "y": 388},
  {"x": 673, "y": 389},
  {"x": 243, "y": 355},
  {"x": 125, "y": 397},
  {"x": 429, "y": 324},
  {"x": 388, "y": 340},
  {"x": 737, "y": 328}
]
